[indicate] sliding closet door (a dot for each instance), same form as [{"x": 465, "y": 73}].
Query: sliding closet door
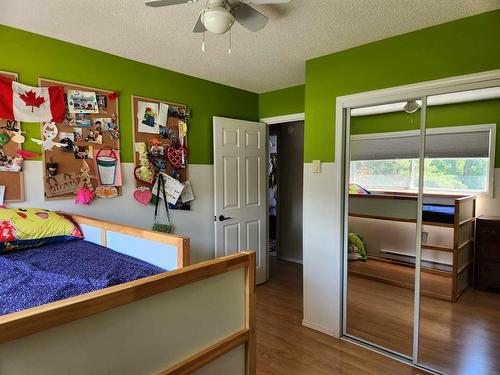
[
  {"x": 460, "y": 268},
  {"x": 382, "y": 171}
]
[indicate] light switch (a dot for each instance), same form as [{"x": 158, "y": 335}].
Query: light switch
[{"x": 316, "y": 166}]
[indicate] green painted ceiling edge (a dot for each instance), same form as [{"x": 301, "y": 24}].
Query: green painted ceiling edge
[
  {"x": 33, "y": 56},
  {"x": 464, "y": 46}
]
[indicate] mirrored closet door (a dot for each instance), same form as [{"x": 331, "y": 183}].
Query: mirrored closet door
[
  {"x": 383, "y": 175},
  {"x": 460, "y": 269},
  {"x": 422, "y": 229}
]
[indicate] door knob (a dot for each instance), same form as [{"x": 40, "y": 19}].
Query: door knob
[{"x": 222, "y": 218}]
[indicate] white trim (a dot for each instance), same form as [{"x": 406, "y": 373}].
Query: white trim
[
  {"x": 287, "y": 259},
  {"x": 405, "y": 92},
  {"x": 435, "y": 100},
  {"x": 285, "y": 118},
  {"x": 319, "y": 327}
]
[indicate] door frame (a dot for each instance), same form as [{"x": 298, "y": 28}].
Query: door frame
[
  {"x": 281, "y": 120},
  {"x": 370, "y": 98}
]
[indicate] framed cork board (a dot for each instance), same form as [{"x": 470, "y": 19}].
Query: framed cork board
[
  {"x": 94, "y": 132},
  {"x": 13, "y": 181},
  {"x": 162, "y": 127}
]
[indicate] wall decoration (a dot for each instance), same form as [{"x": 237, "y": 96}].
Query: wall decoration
[
  {"x": 163, "y": 151},
  {"x": 94, "y": 136},
  {"x": 85, "y": 192},
  {"x": 163, "y": 114},
  {"x": 78, "y": 134},
  {"x": 143, "y": 195},
  {"x": 102, "y": 103},
  {"x": 108, "y": 168},
  {"x": 4, "y": 139},
  {"x": 12, "y": 181},
  {"x": 82, "y": 102},
  {"x": 15, "y": 133},
  {"x": 147, "y": 114},
  {"x": 83, "y": 152},
  {"x": 49, "y": 132},
  {"x": 67, "y": 140},
  {"x": 30, "y": 104},
  {"x": 88, "y": 115},
  {"x": 61, "y": 184},
  {"x": 106, "y": 191},
  {"x": 51, "y": 168},
  {"x": 83, "y": 120}
]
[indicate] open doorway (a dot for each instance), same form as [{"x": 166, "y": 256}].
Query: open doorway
[{"x": 286, "y": 166}]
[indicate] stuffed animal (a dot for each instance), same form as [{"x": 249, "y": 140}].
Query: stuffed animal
[{"x": 357, "y": 248}]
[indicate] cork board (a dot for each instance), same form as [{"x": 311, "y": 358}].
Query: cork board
[
  {"x": 67, "y": 163},
  {"x": 13, "y": 181},
  {"x": 170, "y": 135}
]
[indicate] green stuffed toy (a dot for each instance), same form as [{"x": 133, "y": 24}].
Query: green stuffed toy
[{"x": 357, "y": 248}]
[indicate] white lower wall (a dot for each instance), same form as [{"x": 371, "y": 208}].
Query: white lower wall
[
  {"x": 321, "y": 251},
  {"x": 197, "y": 224}
]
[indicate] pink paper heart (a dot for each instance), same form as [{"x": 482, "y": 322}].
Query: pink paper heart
[{"x": 143, "y": 196}]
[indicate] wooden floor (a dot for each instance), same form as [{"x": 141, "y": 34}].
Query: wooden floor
[
  {"x": 460, "y": 337},
  {"x": 432, "y": 284},
  {"x": 285, "y": 347}
]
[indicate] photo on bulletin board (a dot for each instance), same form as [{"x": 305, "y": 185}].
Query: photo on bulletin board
[
  {"x": 11, "y": 161},
  {"x": 79, "y": 165},
  {"x": 163, "y": 150}
]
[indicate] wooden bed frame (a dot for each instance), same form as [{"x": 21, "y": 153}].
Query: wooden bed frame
[
  {"x": 196, "y": 318},
  {"x": 401, "y": 207}
]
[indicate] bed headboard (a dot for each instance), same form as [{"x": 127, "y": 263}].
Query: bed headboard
[{"x": 166, "y": 251}]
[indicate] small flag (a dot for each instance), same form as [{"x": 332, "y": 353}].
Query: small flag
[{"x": 31, "y": 104}]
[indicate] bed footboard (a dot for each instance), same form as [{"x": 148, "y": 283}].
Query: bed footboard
[{"x": 198, "y": 319}]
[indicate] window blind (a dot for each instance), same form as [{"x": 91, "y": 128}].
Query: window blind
[{"x": 473, "y": 144}]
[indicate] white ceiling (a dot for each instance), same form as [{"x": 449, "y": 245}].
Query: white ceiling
[{"x": 269, "y": 59}]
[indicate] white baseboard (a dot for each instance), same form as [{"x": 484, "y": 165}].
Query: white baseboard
[
  {"x": 294, "y": 260},
  {"x": 319, "y": 328}
]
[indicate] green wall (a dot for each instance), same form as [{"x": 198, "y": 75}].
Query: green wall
[
  {"x": 282, "y": 102},
  {"x": 464, "y": 46},
  {"x": 33, "y": 56},
  {"x": 472, "y": 113}
]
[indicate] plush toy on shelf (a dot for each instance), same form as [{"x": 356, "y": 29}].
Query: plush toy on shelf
[{"x": 357, "y": 248}]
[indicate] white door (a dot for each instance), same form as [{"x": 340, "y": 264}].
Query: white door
[{"x": 240, "y": 178}]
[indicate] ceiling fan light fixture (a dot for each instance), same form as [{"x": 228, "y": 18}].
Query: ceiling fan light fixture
[
  {"x": 411, "y": 106},
  {"x": 217, "y": 19}
]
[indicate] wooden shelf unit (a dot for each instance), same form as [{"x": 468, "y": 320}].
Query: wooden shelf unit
[{"x": 402, "y": 208}]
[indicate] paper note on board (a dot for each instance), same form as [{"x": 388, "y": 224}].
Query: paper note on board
[
  {"x": 163, "y": 114},
  {"x": 173, "y": 189},
  {"x": 187, "y": 194},
  {"x": 2, "y": 194}
]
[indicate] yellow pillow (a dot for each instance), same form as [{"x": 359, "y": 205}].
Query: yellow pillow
[{"x": 30, "y": 227}]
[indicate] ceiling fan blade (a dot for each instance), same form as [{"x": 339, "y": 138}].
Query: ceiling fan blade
[
  {"x": 199, "y": 27},
  {"x": 262, "y": 2},
  {"x": 249, "y": 17},
  {"x": 164, "y": 3}
]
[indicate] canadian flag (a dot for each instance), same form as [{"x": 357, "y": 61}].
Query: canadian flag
[{"x": 31, "y": 104}]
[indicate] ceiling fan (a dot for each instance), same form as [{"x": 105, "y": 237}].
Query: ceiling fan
[{"x": 219, "y": 15}]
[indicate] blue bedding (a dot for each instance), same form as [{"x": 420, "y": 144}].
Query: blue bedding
[
  {"x": 438, "y": 213},
  {"x": 40, "y": 275}
]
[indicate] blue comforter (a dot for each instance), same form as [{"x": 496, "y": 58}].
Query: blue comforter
[{"x": 37, "y": 276}]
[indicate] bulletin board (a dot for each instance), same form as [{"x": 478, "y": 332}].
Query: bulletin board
[
  {"x": 169, "y": 136},
  {"x": 13, "y": 181},
  {"x": 83, "y": 127}
]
